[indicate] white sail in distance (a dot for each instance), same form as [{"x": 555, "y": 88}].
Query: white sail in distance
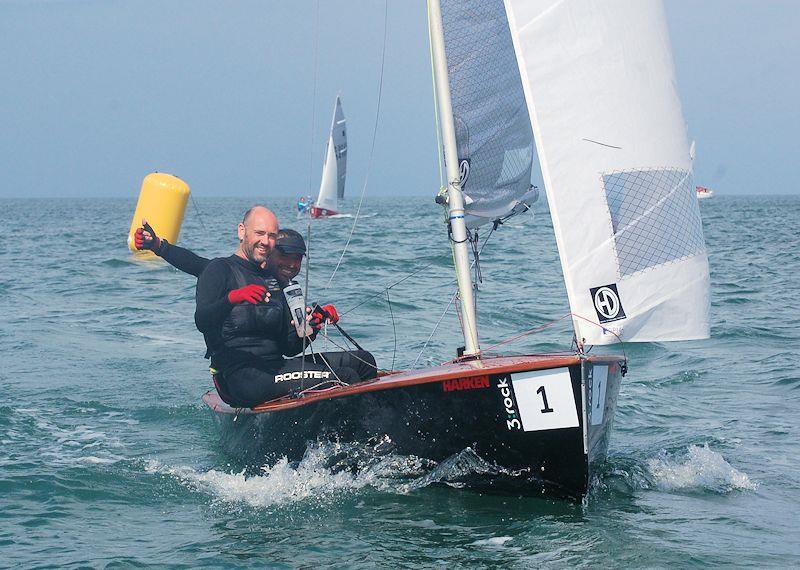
[
  {"x": 492, "y": 127},
  {"x": 600, "y": 85},
  {"x": 334, "y": 170}
]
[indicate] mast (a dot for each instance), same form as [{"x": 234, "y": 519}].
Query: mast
[{"x": 455, "y": 199}]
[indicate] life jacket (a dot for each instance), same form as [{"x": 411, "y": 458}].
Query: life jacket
[{"x": 260, "y": 330}]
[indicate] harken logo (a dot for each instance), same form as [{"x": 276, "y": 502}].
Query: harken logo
[
  {"x": 473, "y": 383},
  {"x": 607, "y": 303}
]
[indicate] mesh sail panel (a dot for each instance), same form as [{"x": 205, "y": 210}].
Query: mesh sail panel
[
  {"x": 655, "y": 218},
  {"x": 493, "y": 131}
]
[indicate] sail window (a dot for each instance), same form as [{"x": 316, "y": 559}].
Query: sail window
[{"x": 655, "y": 217}]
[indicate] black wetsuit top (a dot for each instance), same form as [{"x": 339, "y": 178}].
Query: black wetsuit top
[
  {"x": 181, "y": 258},
  {"x": 238, "y": 334}
]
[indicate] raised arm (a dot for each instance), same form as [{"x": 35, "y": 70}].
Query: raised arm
[
  {"x": 182, "y": 258},
  {"x": 179, "y": 257}
]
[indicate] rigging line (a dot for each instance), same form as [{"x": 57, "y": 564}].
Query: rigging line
[
  {"x": 621, "y": 342},
  {"x": 551, "y": 323},
  {"x": 394, "y": 328},
  {"x": 447, "y": 308},
  {"x": 449, "y": 281},
  {"x": 314, "y": 356},
  {"x": 315, "y": 389},
  {"x": 525, "y": 333},
  {"x": 439, "y": 145},
  {"x": 197, "y": 210},
  {"x": 379, "y": 293},
  {"x": 306, "y": 344},
  {"x": 344, "y": 334},
  {"x": 325, "y": 362},
  {"x": 314, "y": 94},
  {"x": 347, "y": 348},
  {"x": 441, "y": 318},
  {"x": 372, "y": 146}
]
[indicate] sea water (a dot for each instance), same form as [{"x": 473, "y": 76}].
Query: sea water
[{"x": 108, "y": 457}]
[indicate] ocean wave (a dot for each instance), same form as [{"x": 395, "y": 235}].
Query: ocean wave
[
  {"x": 64, "y": 442},
  {"x": 699, "y": 468}
]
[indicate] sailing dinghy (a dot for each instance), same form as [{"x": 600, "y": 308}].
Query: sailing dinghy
[
  {"x": 334, "y": 170},
  {"x": 703, "y": 192},
  {"x": 593, "y": 84}
]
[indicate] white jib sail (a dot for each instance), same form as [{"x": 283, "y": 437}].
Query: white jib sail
[
  {"x": 492, "y": 127},
  {"x": 334, "y": 170},
  {"x": 600, "y": 85}
]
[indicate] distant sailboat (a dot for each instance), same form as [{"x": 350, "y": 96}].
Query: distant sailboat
[
  {"x": 704, "y": 193},
  {"x": 334, "y": 170},
  {"x": 593, "y": 83}
]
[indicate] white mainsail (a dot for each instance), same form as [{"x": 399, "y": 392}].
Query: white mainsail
[
  {"x": 334, "y": 170},
  {"x": 600, "y": 85},
  {"x": 492, "y": 127}
]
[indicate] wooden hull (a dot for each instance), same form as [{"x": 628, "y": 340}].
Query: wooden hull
[{"x": 542, "y": 421}]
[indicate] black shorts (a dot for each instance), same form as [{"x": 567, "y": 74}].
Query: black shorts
[{"x": 259, "y": 381}]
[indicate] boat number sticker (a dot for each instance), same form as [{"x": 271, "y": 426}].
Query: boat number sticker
[
  {"x": 545, "y": 400},
  {"x": 599, "y": 381},
  {"x": 607, "y": 304}
]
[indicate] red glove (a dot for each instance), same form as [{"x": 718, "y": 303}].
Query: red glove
[
  {"x": 150, "y": 241},
  {"x": 325, "y": 313},
  {"x": 253, "y": 294}
]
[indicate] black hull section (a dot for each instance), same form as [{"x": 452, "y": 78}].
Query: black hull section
[{"x": 542, "y": 428}]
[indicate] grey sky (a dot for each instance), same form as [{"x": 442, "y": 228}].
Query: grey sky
[{"x": 97, "y": 93}]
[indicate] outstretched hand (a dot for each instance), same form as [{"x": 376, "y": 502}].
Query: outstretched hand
[{"x": 145, "y": 237}]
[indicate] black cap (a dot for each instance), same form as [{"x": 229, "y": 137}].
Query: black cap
[{"x": 290, "y": 242}]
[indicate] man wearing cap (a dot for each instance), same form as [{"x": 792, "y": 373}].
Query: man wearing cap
[{"x": 245, "y": 319}]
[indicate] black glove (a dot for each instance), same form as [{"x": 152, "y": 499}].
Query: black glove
[{"x": 142, "y": 241}]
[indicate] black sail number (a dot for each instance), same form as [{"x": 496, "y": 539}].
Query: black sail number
[{"x": 546, "y": 409}]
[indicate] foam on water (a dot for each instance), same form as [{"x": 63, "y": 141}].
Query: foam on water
[
  {"x": 495, "y": 541},
  {"x": 326, "y": 471},
  {"x": 699, "y": 468},
  {"x": 277, "y": 484}
]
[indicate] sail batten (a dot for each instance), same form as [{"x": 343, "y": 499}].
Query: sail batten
[{"x": 600, "y": 87}]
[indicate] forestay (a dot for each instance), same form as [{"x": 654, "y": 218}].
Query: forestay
[
  {"x": 600, "y": 86},
  {"x": 334, "y": 170},
  {"x": 493, "y": 132}
]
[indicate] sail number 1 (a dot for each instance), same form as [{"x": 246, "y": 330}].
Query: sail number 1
[{"x": 547, "y": 409}]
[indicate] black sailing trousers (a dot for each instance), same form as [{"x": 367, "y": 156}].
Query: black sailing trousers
[{"x": 259, "y": 380}]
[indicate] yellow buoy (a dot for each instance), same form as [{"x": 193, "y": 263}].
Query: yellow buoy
[{"x": 162, "y": 202}]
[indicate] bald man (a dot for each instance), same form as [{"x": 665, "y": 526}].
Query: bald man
[{"x": 247, "y": 326}]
